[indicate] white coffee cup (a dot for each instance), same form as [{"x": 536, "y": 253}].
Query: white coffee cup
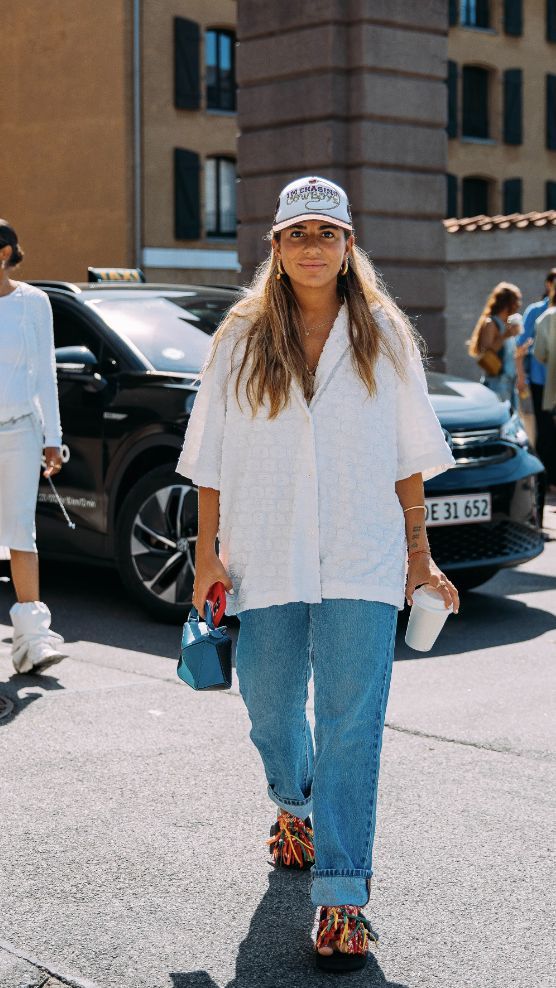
[
  {"x": 426, "y": 619},
  {"x": 516, "y": 323}
]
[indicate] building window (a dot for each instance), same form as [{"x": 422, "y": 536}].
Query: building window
[
  {"x": 475, "y": 102},
  {"x": 220, "y": 197},
  {"x": 475, "y": 13},
  {"x": 512, "y": 196},
  {"x": 475, "y": 196},
  {"x": 220, "y": 66}
]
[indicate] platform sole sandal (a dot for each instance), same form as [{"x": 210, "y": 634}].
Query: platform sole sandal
[
  {"x": 291, "y": 842},
  {"x": 348, "y": 932}
]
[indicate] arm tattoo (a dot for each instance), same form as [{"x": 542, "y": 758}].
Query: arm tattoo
[{"x": 413, "y": 540}]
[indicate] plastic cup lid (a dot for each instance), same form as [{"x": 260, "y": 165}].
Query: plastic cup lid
[{"x": 429, "y": 599}]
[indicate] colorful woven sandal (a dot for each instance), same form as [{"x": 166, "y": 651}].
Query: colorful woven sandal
[
  {"x": 349, "y": 933},
  {"x": 291, "y": 841}
]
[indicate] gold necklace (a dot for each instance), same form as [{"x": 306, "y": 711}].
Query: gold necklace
[{"x": 319, "y": 325}]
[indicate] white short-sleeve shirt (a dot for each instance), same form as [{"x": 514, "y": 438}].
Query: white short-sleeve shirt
[{"x": 308, "y": 507}]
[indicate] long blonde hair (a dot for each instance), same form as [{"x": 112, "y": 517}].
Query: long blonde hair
[
  {"x": 501, "y": 296},
  {"x": 274, "y": 351}
]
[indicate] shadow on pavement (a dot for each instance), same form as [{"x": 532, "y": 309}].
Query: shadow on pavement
[
  {"x": 278, "y": 950},
  {"x": 90, "y": 604},
  {"x": 16, "y": 683},
  {"x": 485, "y": 620}
]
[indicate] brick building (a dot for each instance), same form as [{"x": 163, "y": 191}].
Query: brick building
[
  {"x": 502, "y": 107},
  {"x": 119, "y": 137},
  {"x": 355, "y": 91}
]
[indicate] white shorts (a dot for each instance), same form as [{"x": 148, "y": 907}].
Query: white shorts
[{"x": 21, "y": 448}]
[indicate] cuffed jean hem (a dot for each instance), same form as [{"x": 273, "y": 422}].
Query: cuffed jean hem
[
  {"x": 302, "y": 810},
  {"x": 351, "y": 888}
]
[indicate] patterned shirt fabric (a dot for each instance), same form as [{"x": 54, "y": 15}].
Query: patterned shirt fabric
[
  {"x": 14, "y": 400},
  {"x": 308, "y": 507},
  {"x": 37, "y": 389},
  {"x": 536, "y": 371}
]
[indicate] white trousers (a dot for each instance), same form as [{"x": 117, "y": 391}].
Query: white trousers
[{"x": 20, "y": 463}]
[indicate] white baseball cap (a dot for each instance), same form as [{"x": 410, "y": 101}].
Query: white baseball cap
[{"x": 312, "y": 198}]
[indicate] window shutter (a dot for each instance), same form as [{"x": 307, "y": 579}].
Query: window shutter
[
  {"x": 551, "y": 20},
  {"x": 550, "y": 195},
  {"x": 451, "y": 196},
  {"x": 513, "y": 17},
  {"x": 453, "y": 12},
  {"x": 475, "y": 87},
  {"x": 512, "y": 195},
  {"x": 513, "y": 106},
  {"x": 452, "y": 83},
  {"x": 187, "y": 89},
  {"x": 551, "y": 112},
  {"x": 187, "y": 209}
]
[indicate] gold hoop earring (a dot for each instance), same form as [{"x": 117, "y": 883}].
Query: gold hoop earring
[
  {"x": 344, "y": 269},
  {"x": 280, "y": 271}
]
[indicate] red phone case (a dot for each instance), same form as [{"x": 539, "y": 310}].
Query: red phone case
[{"x": 217, "y": 600}]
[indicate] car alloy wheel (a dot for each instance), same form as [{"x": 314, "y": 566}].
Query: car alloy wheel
[{"x": 163, "y": 536}]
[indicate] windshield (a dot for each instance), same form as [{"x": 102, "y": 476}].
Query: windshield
[{"x": 172, "y": 333}]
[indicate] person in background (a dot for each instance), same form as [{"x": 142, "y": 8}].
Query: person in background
[
  {"x": 29, "y": 422},
  {"x": 496, "y": 332},
  {"x": 535, "y": 374},
  {"x": 545, "y": 353}
]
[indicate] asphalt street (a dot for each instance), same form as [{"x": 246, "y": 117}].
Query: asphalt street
[{"x": 134, "y": 813}]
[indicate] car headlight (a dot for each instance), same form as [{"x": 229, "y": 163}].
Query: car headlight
[{"x": 514, "y": 431}]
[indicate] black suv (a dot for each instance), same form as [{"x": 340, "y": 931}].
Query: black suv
[{"x": 128, "y": 357}]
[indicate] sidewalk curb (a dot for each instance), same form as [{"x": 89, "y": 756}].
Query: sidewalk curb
[{"x": 66, "y": 978}]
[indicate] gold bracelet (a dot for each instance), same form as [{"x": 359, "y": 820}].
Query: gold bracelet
[{"x": 415, "y": 507}]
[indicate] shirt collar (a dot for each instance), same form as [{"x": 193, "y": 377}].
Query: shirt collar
[{"x": 336, "y": 345}]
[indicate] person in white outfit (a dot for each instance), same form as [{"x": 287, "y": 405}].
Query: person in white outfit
[
  {"x": 309, "y": 440},
  {"x": 29, "y": 423}
]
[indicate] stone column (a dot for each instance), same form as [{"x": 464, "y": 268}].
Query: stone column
[{"x": 353, "y": 90}]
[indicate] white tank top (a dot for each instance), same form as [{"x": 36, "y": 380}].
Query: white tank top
[{"x": 14, "y": 392}]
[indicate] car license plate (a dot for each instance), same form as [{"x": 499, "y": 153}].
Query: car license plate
[{"x": 461, "y": 509}]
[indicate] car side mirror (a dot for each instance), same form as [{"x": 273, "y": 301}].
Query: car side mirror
[
  {"x": 78, "y": 363},
  {"x": 75, "y": 360}
]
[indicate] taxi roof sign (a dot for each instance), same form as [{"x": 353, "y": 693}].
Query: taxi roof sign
[{"x": 115, "y": 274}]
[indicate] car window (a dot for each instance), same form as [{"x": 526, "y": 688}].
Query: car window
[
  {"x": 70, "y": 330},
  {"x": 173, "y": 334}
]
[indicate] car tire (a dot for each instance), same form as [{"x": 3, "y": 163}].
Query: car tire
[
  {"x": 156, "y": 533},
  {"x": 468, "y": 579}
]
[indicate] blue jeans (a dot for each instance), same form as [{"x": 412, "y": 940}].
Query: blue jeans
[
  {"x": 349, "y": 644},
  {"x": 504, "y": 386}
]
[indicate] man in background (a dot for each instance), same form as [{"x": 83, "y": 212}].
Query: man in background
[{"x": 545, "y": 444}]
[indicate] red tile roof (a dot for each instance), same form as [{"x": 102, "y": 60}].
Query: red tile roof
[{"x": 513, "y": 221}]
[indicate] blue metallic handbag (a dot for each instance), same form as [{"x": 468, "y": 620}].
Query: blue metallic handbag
[{"x": 205, "y": 661}]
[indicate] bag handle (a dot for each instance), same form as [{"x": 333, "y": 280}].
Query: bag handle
[{"x": 194, "y": 616}]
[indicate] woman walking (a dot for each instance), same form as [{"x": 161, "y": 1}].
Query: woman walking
[
  {"x": 29, "y": 421},
  {"x": 495, "y": 333},
  {"x": 309, "y": 440}
]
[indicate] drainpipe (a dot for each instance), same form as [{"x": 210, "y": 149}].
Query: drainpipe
[{"x": 137, "y": 157}]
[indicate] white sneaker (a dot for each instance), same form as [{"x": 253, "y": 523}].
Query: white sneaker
[{"x": 34, "y": 647}]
